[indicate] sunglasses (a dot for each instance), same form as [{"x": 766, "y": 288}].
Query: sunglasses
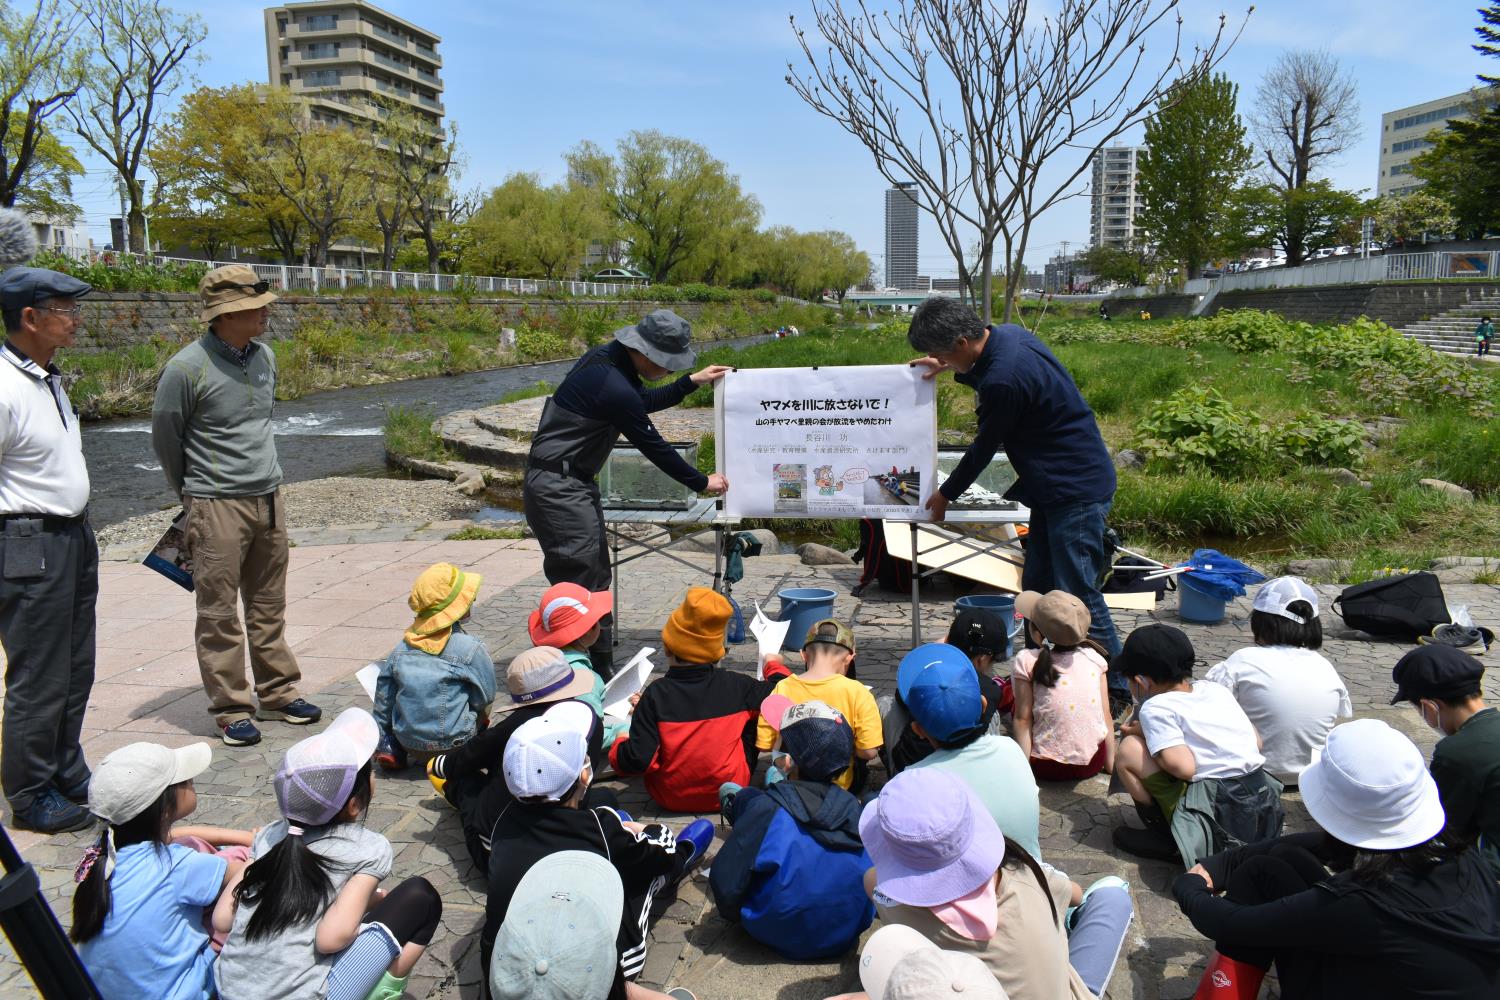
[{"x": 259, "y": 288}]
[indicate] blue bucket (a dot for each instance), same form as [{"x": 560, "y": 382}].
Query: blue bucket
[
  {"x": 1194, "y": 605},
  {"x": 1002, "y": 605},
  {"x": 803, "y": 607}
]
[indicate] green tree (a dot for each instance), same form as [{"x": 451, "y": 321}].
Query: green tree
[
  {"x": 1299, "y": 220},
  {"x": 1132, "y": 265},
  {"x": 38, "y": 77},
  {"x": 1489, "y": 33},
  {"x": 138, "y": 53},
  {"x": 1196, "y": 155},
  {"x": 526, "y": 230},
  {"x": 1406, "y": 218},
  {"x": 1463, "y": 165}
]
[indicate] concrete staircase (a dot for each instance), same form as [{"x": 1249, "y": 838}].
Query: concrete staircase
[{"x": 1452, "y": 332}]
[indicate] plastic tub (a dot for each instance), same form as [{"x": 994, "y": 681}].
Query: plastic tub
[
  {"x": 803, "y": 607},
  {"x": 1194, "y": 605},
  {"x": 1003, "y": 605}
]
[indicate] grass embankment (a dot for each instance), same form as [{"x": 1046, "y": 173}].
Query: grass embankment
[
  {"x": 1241, "y": 417},
  {"x": 400, "y": 338}
]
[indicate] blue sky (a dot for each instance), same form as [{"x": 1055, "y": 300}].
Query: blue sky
[{"x": 526, "y": 80}]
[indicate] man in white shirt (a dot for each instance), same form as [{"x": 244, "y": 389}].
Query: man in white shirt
[{"x": 49, "y": 562}]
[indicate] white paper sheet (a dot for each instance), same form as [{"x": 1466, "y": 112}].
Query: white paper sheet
[
  {"x": 629, "y": 680},
  {"x": 768, "y": 638},
  {"x": 367, "y": 675}
]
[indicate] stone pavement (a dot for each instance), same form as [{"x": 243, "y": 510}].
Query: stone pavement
[{"x": 349, "y": 600}]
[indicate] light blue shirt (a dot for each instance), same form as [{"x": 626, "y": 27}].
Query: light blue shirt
[
  {"x": 154, "y": 943},
  {"x": 996, "y": 769}
]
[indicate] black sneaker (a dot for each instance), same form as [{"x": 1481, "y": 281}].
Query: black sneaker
[
  {"x": 49, "y": 812},
  {"x": 240, "y": 734},
  {"x": 78, "y": 793},
  {"x": 1147, "y": 844},
  {"x": 299, "y": 713}
]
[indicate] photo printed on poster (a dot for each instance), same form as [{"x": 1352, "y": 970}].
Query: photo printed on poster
[{"x": 851, "y": 441}]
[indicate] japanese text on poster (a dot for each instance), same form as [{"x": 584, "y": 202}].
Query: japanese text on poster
[{"x": 852, "y": 441}]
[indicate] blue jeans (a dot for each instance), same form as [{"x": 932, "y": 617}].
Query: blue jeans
[
  {"x": 1097, "y": 935},
  {"x": 1065, "y": 551}
]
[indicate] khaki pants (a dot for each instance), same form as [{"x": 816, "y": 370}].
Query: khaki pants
[{"x": 239, "y": 551}]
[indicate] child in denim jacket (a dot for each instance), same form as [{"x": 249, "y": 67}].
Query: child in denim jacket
[{"x": 434, "y": 690}]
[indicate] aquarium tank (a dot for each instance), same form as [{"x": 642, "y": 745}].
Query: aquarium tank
[
  {"x": 988, "y": 491},
  {"x": 630, "y": 481}
]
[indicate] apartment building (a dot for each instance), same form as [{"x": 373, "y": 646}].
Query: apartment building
[
  {"x": 901, "y": 236},
  {"x": 1113, "y": 199},
  {"x": 1403, "y": 136}
]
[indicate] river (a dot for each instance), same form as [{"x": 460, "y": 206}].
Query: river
[{"x": 336, "y": 433}]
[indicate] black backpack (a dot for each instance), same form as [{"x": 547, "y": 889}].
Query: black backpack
[
  {"x": 1403, "y": 606},
  {"x": 881, "y": 567},
  {"x": 1128, "y": 576}
]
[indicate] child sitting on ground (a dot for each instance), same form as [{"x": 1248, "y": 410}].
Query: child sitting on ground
[
  {"x": 828, "y": 652},
  {"x": 981, "y": 635},
  {"x": 1192, "y": 763},
  {"x": 694, "y": 729},
  {"x": 1062, "y": 720},
  {"x": 1442, "y": 683},
  {"x": 307, "y": 917},
  {"x": 434, "y": 690},
  {"x": 548, "y": 771},
  {"x": 1292, "y": 695},
  {"x": 568, "y": 619},
  {"x": 792, "y": 871},
  {"x": 138, "y": 911}
]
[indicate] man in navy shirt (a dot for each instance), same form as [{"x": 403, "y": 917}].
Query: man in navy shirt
[
  {"x": 1029, "y": 406},
  {"x": 601, "y": 398}
]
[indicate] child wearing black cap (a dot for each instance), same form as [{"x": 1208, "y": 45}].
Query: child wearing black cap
[
  {"x": 1192, "y": 763},
  {"x": 1442, "y": 682}
]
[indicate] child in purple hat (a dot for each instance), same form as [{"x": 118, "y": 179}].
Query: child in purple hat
[{"x": 943, "y": 868}]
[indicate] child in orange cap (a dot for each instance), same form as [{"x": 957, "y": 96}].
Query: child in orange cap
[
  {"x": 694, "y": 729},
  {"x": 568, "y": 619}
]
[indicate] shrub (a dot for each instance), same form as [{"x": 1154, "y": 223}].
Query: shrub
[
  {"x": 1198, "y": 427},
  {"x": 1314, "y": 440},
  {"x": 541, "y": 345},
  {"x": 325, "y": 342},
  {"x": 408, "y": 431}
]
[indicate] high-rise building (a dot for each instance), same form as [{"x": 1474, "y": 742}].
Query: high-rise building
[
  {"x": 901, "y": 236},
  {"x": 339, "y": 55},
  {"x": 1113, "y": 200},
  {"x": 1403, "y": 136}
]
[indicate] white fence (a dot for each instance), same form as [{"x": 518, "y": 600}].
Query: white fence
[
  {"x": 1353, "y": 270},
  {"x": 318, "y": 279}
]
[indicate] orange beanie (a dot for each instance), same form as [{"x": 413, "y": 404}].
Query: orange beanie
[{"x": 695, "y": 631}]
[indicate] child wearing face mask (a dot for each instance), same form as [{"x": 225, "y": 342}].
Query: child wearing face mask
[
  {"x": 1442, "y": 684},
  {"x": 547, "y": 770}
]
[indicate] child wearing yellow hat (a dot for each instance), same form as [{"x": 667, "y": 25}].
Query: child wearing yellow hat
[
  {"x": 434, "y": 690},
  {"x": 694, "y": 729}
]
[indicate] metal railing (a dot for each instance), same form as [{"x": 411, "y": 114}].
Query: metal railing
[
  {"x": 1429, "y": 266},
  {"x": 293, "y": 277}
]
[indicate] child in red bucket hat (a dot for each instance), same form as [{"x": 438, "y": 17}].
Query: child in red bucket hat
[{"x": 568, "y": 619}]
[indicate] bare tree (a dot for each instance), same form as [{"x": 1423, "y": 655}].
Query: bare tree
[
  {"x": 37, "y": 77},
  {"x": 136, "y": 54},
  {"x": 1306, "y": 112},
  {"x": 973, "y": 102}
]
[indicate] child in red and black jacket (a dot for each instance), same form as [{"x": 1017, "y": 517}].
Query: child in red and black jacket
[{"x": 694, "y": 729}]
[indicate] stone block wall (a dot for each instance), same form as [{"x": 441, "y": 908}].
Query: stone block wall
[{"x": 113, "y": 320}]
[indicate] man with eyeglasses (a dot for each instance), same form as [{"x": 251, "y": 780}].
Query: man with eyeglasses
[
  {"x": 49, "y": 562},
  {"x": 211, "y": 430}
]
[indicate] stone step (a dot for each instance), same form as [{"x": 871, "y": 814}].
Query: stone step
[{"x": 461, "y": 432}]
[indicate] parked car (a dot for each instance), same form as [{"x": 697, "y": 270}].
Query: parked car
[{"x": 1257, "y": 263}]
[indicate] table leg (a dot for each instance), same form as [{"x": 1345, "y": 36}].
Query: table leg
[
  {"x": 718, "y": 555},
  {"x": 916, "y": 596},
  {"x": 615, "y": 579}
]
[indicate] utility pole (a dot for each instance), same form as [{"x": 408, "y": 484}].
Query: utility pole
[{"x": 124, "y": 218}]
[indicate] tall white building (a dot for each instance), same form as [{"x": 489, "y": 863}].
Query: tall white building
[
  {"x": 901, "y": 236},
  {"x": 1403, "y": 136},
  {"x": 1113, "y": 199}
]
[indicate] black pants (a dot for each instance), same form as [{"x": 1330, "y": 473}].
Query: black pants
[
  {"x": 567, "y": 517},
  {"x": 1286, "y": 871},
  {"x": 47, "y": 628},
  {"x": 479, "y": 803}
]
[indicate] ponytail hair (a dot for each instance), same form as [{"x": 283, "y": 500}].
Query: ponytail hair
[
  {"x": 290, "y": 884},
  {"x": 1044, "y": 671},
  {"x": 92, "y": 898}
]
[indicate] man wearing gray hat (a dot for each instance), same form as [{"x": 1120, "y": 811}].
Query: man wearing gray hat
[
  {"x": 601, "y": 398},
  {"x": 49, "y": 562}
]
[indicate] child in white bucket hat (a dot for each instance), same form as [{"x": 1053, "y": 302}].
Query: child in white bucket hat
[{"x": 1377, "y": 903}]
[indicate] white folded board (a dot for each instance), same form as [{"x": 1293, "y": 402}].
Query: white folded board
[
  {"x": 628, "y": 680},
  {"x": 768, "y": 638},
  {"x": 367, "y": 675}
]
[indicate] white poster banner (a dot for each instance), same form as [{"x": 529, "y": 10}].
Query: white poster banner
[{"x": 849, "y": 441}]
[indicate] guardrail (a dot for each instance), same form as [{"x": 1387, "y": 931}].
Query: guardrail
[
  {"x": 289, "y": 277},
  {"x": 1430, "y": 266}
]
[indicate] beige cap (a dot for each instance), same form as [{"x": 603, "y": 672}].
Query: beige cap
[
  {"x": 131, "y": 778},
  {"x": 232, "y": 288}
]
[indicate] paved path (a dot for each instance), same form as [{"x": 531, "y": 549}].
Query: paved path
[{"x": 348, "y": 606}]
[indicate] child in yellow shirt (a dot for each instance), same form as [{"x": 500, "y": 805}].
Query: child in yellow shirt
[{"x": 828, "y": 653}]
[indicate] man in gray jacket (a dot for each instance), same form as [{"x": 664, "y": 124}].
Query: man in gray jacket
[{"x": 211, "y": 429}]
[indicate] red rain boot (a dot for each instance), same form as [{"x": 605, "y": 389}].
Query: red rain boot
[{"x": 1227, "y": 979}]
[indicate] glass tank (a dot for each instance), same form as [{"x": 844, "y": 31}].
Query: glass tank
[
  {"x": 629, "y": 480},
  {"x": 988, "y": 491}
]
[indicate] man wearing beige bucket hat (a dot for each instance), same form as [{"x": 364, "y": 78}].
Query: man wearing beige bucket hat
[{"x": 211, "y": 429}]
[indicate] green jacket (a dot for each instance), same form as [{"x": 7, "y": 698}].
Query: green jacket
[{"x": 211, "y": 421}]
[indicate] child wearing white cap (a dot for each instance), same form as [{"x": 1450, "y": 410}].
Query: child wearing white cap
[
  {"x": 1291, "y": 693},
  {"x": 138, "y": 911},
  {"x": 306, "y": 918},
  {"x": 1377, "y": 904}
]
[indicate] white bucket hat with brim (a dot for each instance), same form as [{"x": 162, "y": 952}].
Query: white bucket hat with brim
[
  {"x": 1370, "y": 789},
  {"x": 232, "y": 288},
  {"x": 663, "y": 337}
]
